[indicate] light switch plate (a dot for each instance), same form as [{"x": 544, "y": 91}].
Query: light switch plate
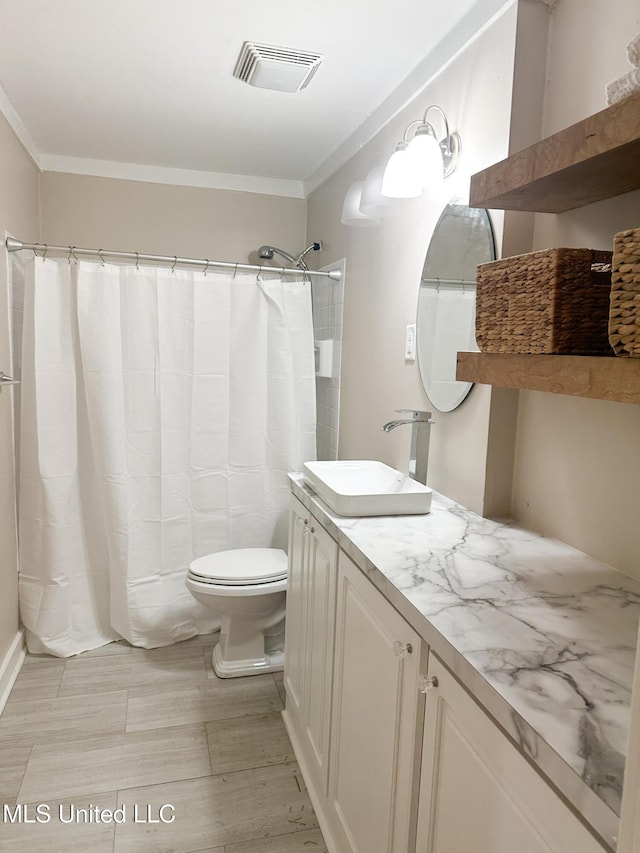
[{"x": 410, "y": 343}]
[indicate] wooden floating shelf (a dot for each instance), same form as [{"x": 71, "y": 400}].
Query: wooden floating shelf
[
  {"x": 600, "y": 378},
  {"x": 596, "y": 158}
]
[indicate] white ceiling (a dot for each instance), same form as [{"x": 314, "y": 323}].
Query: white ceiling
[{"x": 137, "y": 88}]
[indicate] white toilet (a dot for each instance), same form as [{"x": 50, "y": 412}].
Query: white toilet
[{"x": 247, "y": 588}]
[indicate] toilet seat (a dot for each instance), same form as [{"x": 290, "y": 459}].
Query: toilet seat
[{"x": 240, "y": 567}]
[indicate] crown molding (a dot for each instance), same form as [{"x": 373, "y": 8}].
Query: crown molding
[
  {"x": 167, "y": 175},
  {"x": 18, "y": 127}
]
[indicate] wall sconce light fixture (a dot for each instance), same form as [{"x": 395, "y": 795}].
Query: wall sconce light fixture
[
  {"x": 423, "y": 161},
  {"x": 373, "y": 203},
  {"x": 364, "y": 204},
  {"x": 352, "y": 213}
]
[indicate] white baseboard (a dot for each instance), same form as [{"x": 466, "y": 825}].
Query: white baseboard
[
  {"x": 11, "y": 666},
  {"x": 317, "y": 800}
]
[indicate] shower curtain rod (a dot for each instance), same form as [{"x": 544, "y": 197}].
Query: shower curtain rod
[{"x": 41, "y": 250}]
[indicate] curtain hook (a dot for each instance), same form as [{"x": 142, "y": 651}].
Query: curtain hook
[
  {"x": 235, "y": 272},
  {"x": 206, "y": 266},
  {"x": 72, "y": 254},
  {"x": 44, "y": 253},
  {"x": 100, "y": 256},
  {"x": 137, "y": 262},
  {"x": 175, "y": 261}
]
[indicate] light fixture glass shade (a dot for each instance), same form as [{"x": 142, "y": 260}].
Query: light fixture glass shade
[
  {"x": 351, "y": 213},
  {"x": 399, "y": 178},
  {"x": 426, "y": 156},
  {"x": 373, "y": 203}
]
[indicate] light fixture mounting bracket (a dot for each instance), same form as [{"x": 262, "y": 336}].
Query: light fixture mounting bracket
[{"x": 450, "y": 147}]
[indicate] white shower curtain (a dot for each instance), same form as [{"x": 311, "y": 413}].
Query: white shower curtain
[{"x": 160, "y": 415}]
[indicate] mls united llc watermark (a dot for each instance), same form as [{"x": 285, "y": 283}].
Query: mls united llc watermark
[{"x": 69, "y": 813}]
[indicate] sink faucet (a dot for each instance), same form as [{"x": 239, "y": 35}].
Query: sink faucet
[{"x": 419, "y": 451}]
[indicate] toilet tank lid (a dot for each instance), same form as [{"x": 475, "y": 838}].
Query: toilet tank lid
[{"x": 242, "y": 566}]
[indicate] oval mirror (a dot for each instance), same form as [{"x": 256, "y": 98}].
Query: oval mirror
[{"x": 445, "y": 325}]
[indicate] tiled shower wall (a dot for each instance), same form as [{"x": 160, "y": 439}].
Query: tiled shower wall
[{"x": 328, "y": 299}]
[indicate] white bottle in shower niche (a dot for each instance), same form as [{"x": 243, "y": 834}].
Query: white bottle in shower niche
[{"x": 323, "y": 351}]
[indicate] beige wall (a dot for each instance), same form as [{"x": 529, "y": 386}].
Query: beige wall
[
  {"x": 383, "y": 271},
  {"x": 136, "y": 216},
  {"x": 577, "y": 464},
  {"x": 18, "y": 215},
  {"x": 586, "y": 51}
]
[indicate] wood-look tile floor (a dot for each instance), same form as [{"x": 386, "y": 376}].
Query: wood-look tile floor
[{"x": 185, "y": 762}]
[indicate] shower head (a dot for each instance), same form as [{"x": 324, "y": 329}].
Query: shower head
[{"x": 267, "y": 252}]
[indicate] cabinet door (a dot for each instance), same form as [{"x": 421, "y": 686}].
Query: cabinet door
[
  {"x": 309, "y": 638},
  {"x": 295, "y": 634},
  {"x": 376, "y": 712},
  {"x": 321, "y": 582},
  {"x": 478, "y": 794}
]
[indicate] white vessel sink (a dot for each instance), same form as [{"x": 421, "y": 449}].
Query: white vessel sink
[{"x": 364, "y": 487}]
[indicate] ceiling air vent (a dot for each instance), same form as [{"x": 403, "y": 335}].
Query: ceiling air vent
[{"x": 270, "y": 66}]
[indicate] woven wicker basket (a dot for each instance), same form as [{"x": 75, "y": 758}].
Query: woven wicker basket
[
  {"x": 552, "y": 301},
  {"x": 624, "y": 315}
]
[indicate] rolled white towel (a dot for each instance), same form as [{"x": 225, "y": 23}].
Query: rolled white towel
[
  {"x": 623, "y": 87},
  {"x": 633, "y": 51}
]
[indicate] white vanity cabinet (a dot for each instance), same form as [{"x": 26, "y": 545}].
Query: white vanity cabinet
[
  {"x": 377, "y": 711},
  {"x": 478, "y": 794},
  {"x": 311, "y": 607},
  {"x": 397, "y": 755},
  {"x": 353, "y": 708}
]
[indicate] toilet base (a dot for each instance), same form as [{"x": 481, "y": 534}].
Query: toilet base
[
  {"x": 269, "y": 662},
  {"x": 252, "y": 614}
]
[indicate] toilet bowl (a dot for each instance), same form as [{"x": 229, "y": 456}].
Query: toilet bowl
[{"x": 247, "y": 588}]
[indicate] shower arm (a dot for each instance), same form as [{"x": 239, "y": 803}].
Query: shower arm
[
  {"x": 268, "y": 252},
  {"x": 314, "y": 247}
]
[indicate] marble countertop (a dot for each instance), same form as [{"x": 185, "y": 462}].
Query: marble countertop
[{"x": 541, "y": 634}]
